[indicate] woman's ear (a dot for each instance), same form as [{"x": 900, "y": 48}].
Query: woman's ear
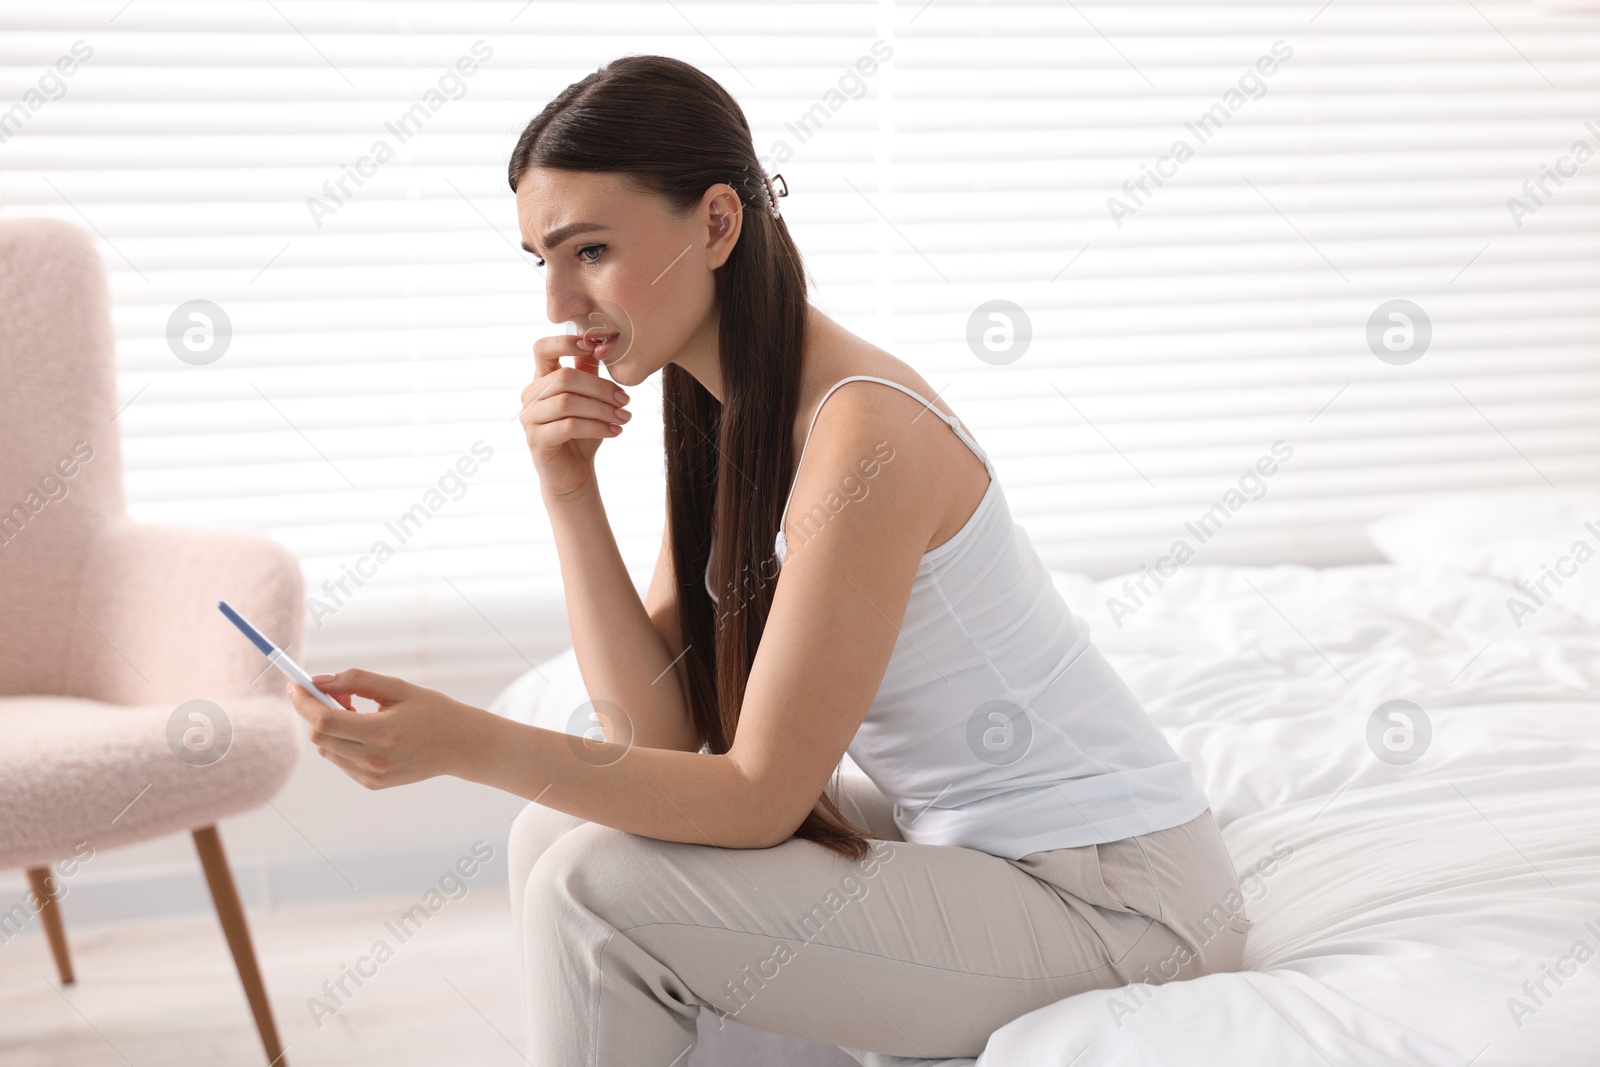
[{"x": 724, "y": 215}]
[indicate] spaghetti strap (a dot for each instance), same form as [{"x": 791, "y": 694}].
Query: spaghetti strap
[
  {"x": 949, "y": 420},
  {"x": 781, "y": 544}
]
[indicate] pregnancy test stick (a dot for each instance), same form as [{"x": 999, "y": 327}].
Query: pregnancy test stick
[{"x": 278, "y": 657}]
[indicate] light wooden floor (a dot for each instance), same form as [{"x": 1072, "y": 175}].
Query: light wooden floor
[{"x": 165, "y": 991}]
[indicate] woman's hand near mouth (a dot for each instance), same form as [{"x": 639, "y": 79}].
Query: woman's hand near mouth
[{"x": 567, "y": 411}]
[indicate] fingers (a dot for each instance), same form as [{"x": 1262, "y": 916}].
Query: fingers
[
  {"x": 320, "y": 681},
  {"x": 350, "y": 767},
  {"x": 570, "y": 401},
  {"x": 304, "y": 703},
  {"x": 351, "y": 725},
  {"x": 582, "y": 378},
  {"x": 584, "y": 416},
  {"x": 384, "y": 688},
  {"x": 341, "y": 746},
  {"x": 549, "y": 351},
  {"x": 336, "y": 735}
]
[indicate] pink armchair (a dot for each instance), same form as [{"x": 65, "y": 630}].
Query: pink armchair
[{"x": 129, "y": 706}]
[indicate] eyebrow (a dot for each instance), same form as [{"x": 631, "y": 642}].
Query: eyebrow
[{"x": 562, "y": 233}]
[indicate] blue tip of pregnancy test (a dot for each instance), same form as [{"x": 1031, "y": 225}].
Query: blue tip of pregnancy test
[{"x": 249, "y": 631}]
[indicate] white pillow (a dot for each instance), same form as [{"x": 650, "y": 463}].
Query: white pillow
[
  {"x": 546, "y": 695},
  {"x": 1544, "y": 543}
]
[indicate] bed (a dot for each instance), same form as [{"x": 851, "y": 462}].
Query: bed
[{"x": 1426, "y": 888}]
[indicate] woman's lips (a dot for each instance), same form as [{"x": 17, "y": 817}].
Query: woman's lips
[{"x": 601, "y": 343}]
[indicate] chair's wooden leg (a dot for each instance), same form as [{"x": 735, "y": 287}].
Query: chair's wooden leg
[
  {"x": 44, "y": 895},
  {"x": 220, "y": 878}
]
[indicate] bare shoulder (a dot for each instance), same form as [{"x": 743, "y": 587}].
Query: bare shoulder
[
  {"x": 867, "y": 429},
  {"x": 867, "y": 359}
]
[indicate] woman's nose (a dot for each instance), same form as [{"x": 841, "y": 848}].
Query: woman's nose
[{"x": 565, "y": 308}]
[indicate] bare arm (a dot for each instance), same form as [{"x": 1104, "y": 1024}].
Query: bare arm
[
  {"x": 829, "y": 636},
  {"x": 625, "y": 651}
]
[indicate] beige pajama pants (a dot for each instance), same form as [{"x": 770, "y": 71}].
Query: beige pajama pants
[{"x": 917, "y": 950}]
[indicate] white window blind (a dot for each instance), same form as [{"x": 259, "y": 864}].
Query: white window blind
[{"x": 940, "y": 156}]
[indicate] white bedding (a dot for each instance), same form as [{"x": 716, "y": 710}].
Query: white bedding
[{"x": 1418, "y": 898}]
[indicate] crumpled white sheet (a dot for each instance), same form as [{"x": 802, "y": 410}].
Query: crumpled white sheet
[{"x": 1418, "y": 899}]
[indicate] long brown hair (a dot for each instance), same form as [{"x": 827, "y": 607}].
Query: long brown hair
[{"x": 675, "y": 131}]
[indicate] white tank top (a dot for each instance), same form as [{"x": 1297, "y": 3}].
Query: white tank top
[{"x": 998, "y": 725}]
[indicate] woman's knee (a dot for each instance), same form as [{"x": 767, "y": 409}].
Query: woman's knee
[
  {"x": 590, "y": 873},
  {"x": 533, "y": 831}
]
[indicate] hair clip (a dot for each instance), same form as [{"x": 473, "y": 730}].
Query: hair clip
[{"x": 776, "y": 187}]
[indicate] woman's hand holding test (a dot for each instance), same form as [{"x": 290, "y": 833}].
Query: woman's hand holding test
[{"x": 416, "y": 733}]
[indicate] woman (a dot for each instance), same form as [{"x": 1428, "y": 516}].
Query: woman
[{"x": 1027, "y": 833}]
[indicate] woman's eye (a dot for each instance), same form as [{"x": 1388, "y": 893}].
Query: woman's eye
[{"x": 581, "y": 251}]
